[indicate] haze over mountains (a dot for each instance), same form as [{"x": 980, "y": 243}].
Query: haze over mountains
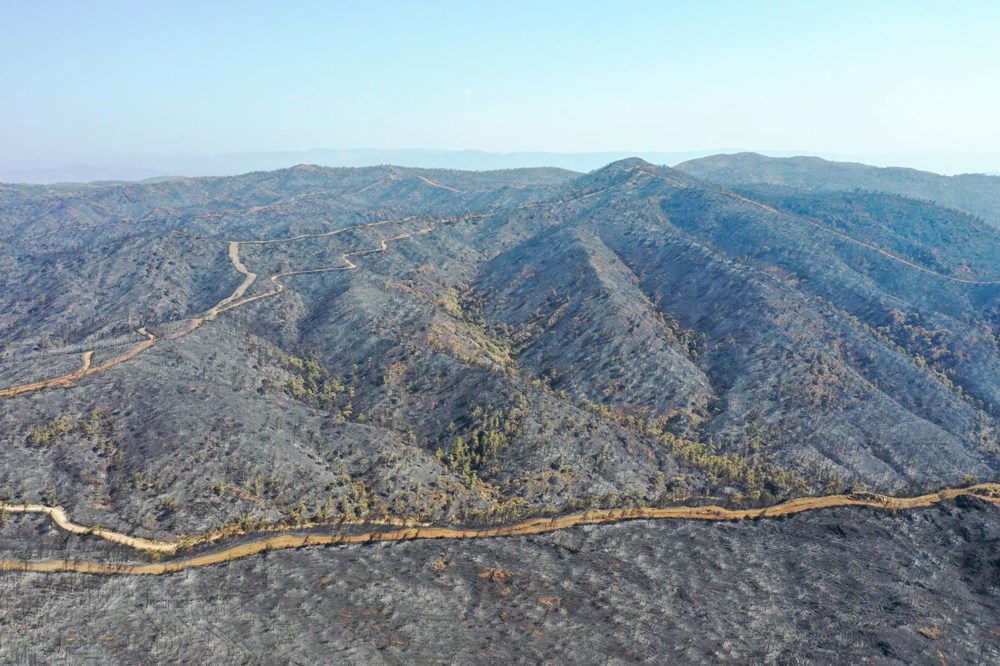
[{"x": 141, "y": 167}]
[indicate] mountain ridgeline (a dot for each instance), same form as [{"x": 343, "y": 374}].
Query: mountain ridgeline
[
  {"x": 319, "y": 345},
  {"x": 976, "y": 194}
]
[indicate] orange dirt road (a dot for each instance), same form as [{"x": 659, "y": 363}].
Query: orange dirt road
[{"x": 987, "y": 491}]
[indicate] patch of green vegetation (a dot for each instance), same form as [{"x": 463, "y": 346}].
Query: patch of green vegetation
[
  {"x": 498, "y": 341},
  {"x": 306, "y": 379},
  {"x": 261, "y": 487},
  {"x": 905, "y": 335},
  {"x": 928, "y": 346},
  {"x": 487, "y": 431},
  {"x": 764, "y": 481},
  {"x": 689, "y": 340},
  {"x": 146, "y": 482},
  {"x": 50, "y": 433},
  {"x": 357, "y": 500},
  {"x": 99, "y": 428},
  {"x": 166, "y": 506}
]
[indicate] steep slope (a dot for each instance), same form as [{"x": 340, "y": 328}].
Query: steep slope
[
  {"x": 798, "y": 377},
  {"x": 391, "y": 343},
  {"x": 592, "y": 330},
  {"x": 977, "y": 194}
]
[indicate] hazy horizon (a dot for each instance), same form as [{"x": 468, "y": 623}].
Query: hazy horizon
[
  {"x": 142, "y": 167},
  {"x": 106, "y": 83}
]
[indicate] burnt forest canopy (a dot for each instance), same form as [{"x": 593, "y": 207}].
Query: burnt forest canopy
[
  {"x": 189, "y": 360},
  {"x": 459, "y": 346}
]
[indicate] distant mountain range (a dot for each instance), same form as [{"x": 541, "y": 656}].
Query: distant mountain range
[{"x": 142, "y": 167}]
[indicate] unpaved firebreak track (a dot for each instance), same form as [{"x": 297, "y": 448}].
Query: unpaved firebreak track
[
  {"x": 238, "y": 298},
  {"x": 989, "y": 492},
  {"x": 86, "y": 369}
]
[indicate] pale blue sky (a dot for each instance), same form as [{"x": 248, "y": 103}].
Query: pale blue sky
[{"x": 84, "y": 79}]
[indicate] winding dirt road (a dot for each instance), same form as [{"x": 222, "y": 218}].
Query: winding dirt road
[
  {"x": 439, "y": 185},
  {"x": 234, "y": 300},
  {"x": 60, "y": 518},
  {"x": 63, "y": 380},
  {"x": 85, "y": 370},
  {"x": 238, "y": 298},
  {"x": 988, "y": 491}
]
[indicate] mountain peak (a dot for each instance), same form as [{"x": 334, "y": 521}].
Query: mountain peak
[
  {"x": 627, "y": 164},
  {"x": 629, "y": 170}
]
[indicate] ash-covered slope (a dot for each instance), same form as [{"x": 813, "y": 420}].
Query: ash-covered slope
[
  {"x": 845, "y": 586},
  {"x": 976, "y": 194},
  {"x": 464, "y": 347}
]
